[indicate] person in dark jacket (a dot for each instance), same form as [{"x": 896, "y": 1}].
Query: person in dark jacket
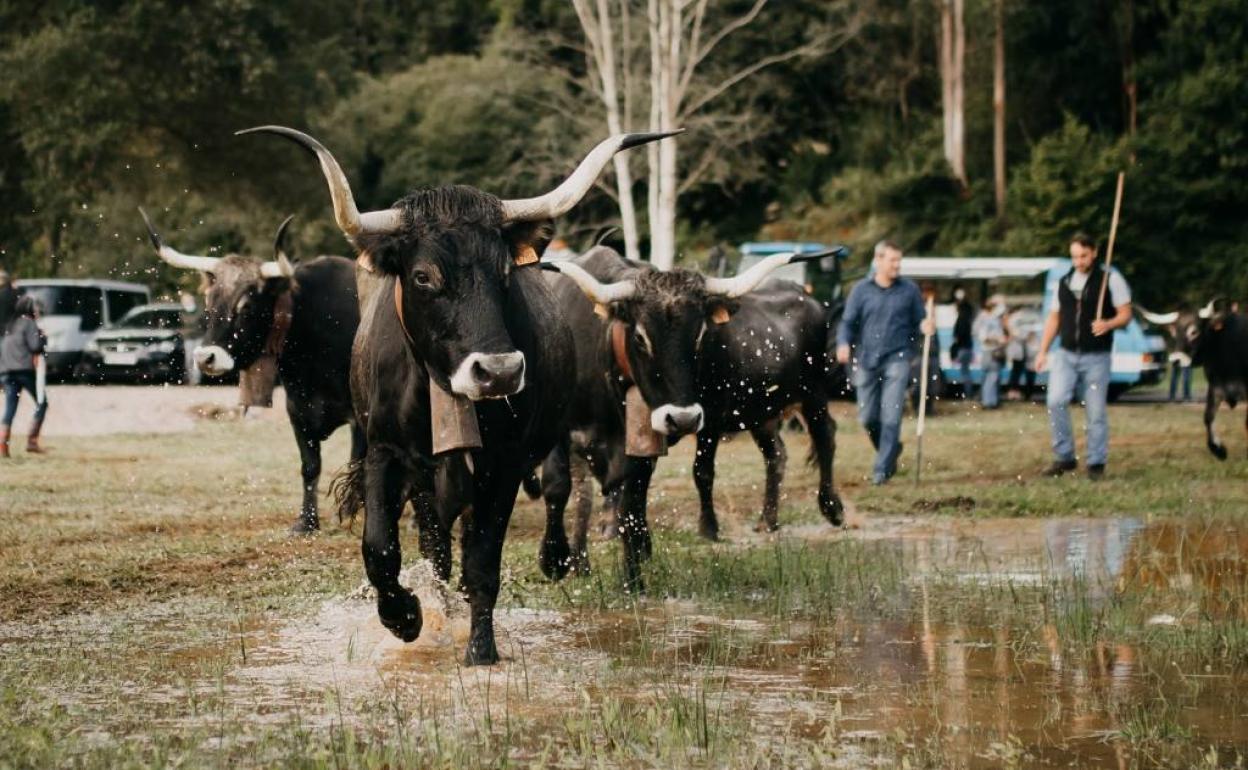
[
  {"x": 963, "y": 348},
  {"x": 21, "y": 343},
  {"x": 1084, "y": 356}
]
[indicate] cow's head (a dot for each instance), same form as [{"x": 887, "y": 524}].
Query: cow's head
[
  {"x": 452, "y": 251},
  {"x": 665, "y": 317},
  {"x": 239, "y": 298},
  {"x": 1199, "y": 330}
]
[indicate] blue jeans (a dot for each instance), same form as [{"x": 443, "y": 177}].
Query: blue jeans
[
  {"x": 14, "y": 383},
  {"x": 881, "y": 393},
  {"x": 990, "y": 393},
  {"x": 1067, "y": 371},
  {"x": 965, "y": 356},
  {"x": 1176, "y": 370}
]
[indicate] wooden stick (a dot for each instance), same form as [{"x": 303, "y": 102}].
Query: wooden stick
[
  {"x": 1109, "y": 251},
  {"x": 918, "y": 430}
]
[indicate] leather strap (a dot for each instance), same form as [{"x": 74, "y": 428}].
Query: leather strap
[
  {"x": 398, "y": 309},
  {"x": 619, "y": 332},
  {"x": 283, "y": 313}
]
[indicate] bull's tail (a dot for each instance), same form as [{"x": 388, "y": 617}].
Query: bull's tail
[
  {"x": 347, "y": 489},
  {"x": 532, "y": 486}
]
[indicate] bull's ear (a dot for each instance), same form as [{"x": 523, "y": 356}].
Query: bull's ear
[
  {"x": 379, "y": 253},
  {"x": 275, "y": 286},
  {"x": 719, "y": 310},
  {"x": 528, "y": 240}
]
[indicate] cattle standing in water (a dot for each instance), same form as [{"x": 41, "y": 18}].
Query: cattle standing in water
[
  {"x": 1219, "y": 342},
  {"x": 460, "y": 308},
  {"x": 248, "y": 304},
  {"x": 708, "y": 355}
]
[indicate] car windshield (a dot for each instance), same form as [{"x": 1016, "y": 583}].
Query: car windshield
[
  {"x": 83, "y": 301},
  {"x": 141, "y": 318}
]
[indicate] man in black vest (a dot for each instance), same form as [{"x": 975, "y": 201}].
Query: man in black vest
[{"x": 1084, "y": 355}]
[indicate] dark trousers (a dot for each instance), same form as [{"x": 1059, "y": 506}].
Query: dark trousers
[
  {"x": 1179, "y": 371},
  {"x": 14, "y": 384},
  {"x": 1020, "y": 373}
]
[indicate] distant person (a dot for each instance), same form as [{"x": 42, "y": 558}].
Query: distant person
[
  {"x": 989, "y": 331},
  {"x": 1180, "y": 369},
  {"x": 8, "y": 301},
  {"x": 881, "y": 325},
  {"x": 558, "y": 251},
  {"x": 1084, "y": 356},
  {"x": 1021, "y": 347},
  {"x": 963, "y": 348},
  {"x": 23, "y": 342}
]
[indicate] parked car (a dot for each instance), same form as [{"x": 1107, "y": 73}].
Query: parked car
[
  {"x": 151, "y": 343},
  {"x": 74, "y": 310}
]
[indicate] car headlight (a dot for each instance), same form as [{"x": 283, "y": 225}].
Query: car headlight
[{"x": 167, "y": 346}]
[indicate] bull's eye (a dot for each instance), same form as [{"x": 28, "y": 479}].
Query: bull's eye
[
  {"x": 421, "y": 278},
  {"x": 642, "y": 340}
]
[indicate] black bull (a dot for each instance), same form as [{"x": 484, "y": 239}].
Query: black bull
[
  {"x": 460, "y": 306},
  {"x": 241, "y": 298},
  {"x": 733, "y": 363},
  {"x": 1219, "y": 341}
]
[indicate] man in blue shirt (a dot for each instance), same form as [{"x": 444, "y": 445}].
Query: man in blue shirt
[{"x": 883, "y": 319}]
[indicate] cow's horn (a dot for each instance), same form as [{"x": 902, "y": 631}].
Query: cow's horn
[
  {"x": 175, "y": 257},
  {"x": 561, "y": 200},
  {"x": 1207, "y": 310},
  {"x": 602, "y": 293},
  {"x": 280, "y": 267},
  {"x": 1159, "y": 319},
  {"x": 747, "y": 281},
  {"x": 349, "y": 218}
]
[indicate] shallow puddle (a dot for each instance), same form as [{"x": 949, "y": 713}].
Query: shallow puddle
[{"x": 975, "y": 659}]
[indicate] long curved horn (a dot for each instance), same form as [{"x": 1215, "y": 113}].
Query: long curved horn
[
  {"x": 280, "y": 267},
  {"x": 561, "y": 200},
  {"x": 1159, "y": 319},
  {"x": 602, "y": 293},
  {"x": 350, "y": 220},
  {"x": 747, "y": 281},
  {"x": 175, "y": 257}
]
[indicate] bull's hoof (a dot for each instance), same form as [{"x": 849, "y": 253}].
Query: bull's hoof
[
  {"x": 763, "y": 525},
  {"x": 1219, "y": 451},
  {"x": 401, "y": 615},
  {"x": 306, "y": 525},
  {"x": 481, "y": 653},
  {"x": 708, "y": 528},
  {"x": 555, "y": 559},
  {"x": 832, "y": 508},
  {"x": 580, "y": 564}
]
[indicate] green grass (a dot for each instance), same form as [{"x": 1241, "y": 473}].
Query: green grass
[{"x": 139, "y": 575}]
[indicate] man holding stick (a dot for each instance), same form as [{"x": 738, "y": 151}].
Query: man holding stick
[
  {"x": 883, "y": 318},
  {"x": 1084, "y": 356}
]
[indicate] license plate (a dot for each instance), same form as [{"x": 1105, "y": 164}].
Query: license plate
[{"x": 121, "y": 359}]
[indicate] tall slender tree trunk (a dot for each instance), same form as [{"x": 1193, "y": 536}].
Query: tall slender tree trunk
[
  {"x": 998, "y": 111},
  {"x": 663, "y": 227},
  {"x": 611, "y": 96},
  {"x": 952, "y": 58},
  {"x": 652, "y": 149}
]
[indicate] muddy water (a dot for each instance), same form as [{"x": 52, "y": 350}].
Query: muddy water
[{"x": 917, "y": 679}]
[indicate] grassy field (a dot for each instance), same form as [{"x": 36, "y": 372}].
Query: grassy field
[{"x": 153, "y": 613}]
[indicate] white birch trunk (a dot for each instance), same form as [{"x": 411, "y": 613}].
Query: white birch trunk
[{"x": 998, "y": 111}]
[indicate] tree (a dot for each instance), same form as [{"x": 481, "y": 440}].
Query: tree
[
  {"x": 952, "y": 64},
  {"x": 998, "y": 109}
]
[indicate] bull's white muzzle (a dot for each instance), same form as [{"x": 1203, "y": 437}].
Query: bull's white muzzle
[
  {"x": 489, "y": 375},
  {"x": 672, "y": 420},
  {"x": 213, "y": 360}
]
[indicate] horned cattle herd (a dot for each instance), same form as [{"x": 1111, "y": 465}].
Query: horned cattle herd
[{"x": 462, "y": 367}]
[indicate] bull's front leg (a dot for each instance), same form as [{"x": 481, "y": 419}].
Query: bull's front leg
[
  {"x": 704, "y": 479},
  {"x": 554, "y": 555},
  {"x": 823, "y": 439},
  {"x": 1213, "y": 399},
  {"x": 634, "y": 531},
  {"x": 384, "y": 495},
  {"x": 310, "y": 471},
  {"x": 767, "y": 437},
  {"x": 484, "y": 529}
]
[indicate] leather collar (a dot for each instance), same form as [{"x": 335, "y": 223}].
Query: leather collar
[
  {"x": 619, "y": 336},
  {"x": 283, "y": 308}
]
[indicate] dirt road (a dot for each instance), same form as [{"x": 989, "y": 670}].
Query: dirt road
[{"x": 97, "y": 410}]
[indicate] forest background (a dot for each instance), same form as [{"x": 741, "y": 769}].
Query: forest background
[{"x": 810, "y": 120}]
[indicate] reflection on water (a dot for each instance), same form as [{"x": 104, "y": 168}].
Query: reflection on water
[{"x": 943, "y": 670}]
